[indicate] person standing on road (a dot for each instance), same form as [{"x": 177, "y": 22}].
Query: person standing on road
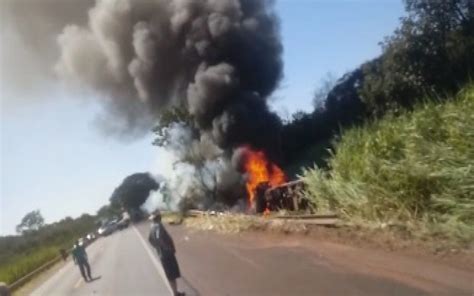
[
  {"x": 160, "y": 239},
  {"x": 63, "y": 254},
  {"x": 79, "y": 256}
]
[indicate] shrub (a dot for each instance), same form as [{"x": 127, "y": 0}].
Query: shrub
[{"x": 415, "y": 169}]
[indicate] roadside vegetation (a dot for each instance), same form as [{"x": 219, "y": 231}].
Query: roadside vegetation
[
  {"x": 38, "y": 243},
  {"x": 430, "y": 53},
  {"x": 413, "y": 171},
  {"x": 18, "y": 266},
  {"x": 392, "y": 140},
  {"x": 399, "y": 161}
]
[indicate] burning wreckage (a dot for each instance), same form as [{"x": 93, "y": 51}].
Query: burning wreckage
[
  {"x": 267, "y": 188},
  {"x": 215, "y": 61},
  {"x": 287, "y": 196}
]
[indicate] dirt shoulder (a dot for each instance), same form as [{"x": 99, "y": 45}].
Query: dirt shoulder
[
  {"x": 409, "y": 265},
  {"x": 390, "y": 242},
  {"x": 386, "y": 240},
  {"x": 315, "y": 264},
  {"x": 38, "y": 280}
]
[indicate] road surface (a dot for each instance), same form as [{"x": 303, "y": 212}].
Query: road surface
[
  {"x": 252, "y": 264},
  {"x": 121, "y": 264}
]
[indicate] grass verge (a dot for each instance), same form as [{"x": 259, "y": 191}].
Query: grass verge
[
  {"x": 20, "y": 266},
  {"x": 413, "y": 172}
]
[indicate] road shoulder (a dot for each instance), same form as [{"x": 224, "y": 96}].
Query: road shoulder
[{"x": 40, "y": 279}]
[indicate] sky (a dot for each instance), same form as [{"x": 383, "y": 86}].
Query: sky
[{"x": 53, "y": 158}]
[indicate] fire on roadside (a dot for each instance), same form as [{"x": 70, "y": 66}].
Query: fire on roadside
[{"x": 260, "y": 169}]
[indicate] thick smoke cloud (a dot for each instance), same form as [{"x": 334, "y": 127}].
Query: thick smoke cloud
[
  {"x": 219, "y": 59},
  {"x": 28, "y": 50},
  {"x": 134, "y": 190}
]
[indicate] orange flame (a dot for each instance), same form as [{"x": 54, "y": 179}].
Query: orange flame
[{"x": 259, "y": 169}]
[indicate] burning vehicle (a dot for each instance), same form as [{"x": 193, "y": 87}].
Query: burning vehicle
[
  {"x": 267, "y": 186},
  {"x": 287, "y": 196},
  {"x": 200, "y": 74}
]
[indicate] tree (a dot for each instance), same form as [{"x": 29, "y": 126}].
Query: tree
[
  {"x": 430, "y": 53},
  {"x": 327, "y": 83},
  {"x": 341, "y": 107},
  {"x": 166, "y": 120},
  {"x": 32, "y": 221}
]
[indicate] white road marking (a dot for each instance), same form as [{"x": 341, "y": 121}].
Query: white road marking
[
  {"x": 155, "y": 262},
  {"x": 78, "y": 283}
]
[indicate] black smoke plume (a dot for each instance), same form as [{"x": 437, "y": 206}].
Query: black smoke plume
[
  {"x": 219, "y": 59},
  {"x": 133, "y": 191}
]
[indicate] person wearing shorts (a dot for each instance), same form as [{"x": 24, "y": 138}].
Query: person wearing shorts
[{"x": 160, "y": 239}]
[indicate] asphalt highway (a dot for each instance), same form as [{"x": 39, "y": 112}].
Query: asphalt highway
[
  {"x": 121, "y": 264},
  {"x": 252, "y": 265}
]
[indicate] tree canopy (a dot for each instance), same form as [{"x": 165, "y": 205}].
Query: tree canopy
[
  {"x": 32, "y": 221},
  {"x": 431, "y": 52}
]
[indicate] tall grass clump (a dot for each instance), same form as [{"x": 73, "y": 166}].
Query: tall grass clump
[
  {"x": 24, "y": 264},
  {"x": 415, "y": 169}
]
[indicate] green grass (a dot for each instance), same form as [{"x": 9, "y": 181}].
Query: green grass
[
  {"x": 20, "y": 266},
  {"x": 23, "y": 254},
  {"x": 415, "y": 170}
]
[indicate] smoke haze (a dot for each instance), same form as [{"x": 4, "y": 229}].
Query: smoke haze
[
  {"x": 217, "y": 59},
  {"x": 28, "y": 48}
]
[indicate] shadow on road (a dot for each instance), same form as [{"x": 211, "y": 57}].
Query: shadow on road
[
  {"x": 188, "y": 288},
  {"x": 95, "y": 278}
]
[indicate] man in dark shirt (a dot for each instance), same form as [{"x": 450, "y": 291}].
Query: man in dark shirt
[
  {"x": 160, "y": 239},
  {"x": 79, "y": 256}
]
